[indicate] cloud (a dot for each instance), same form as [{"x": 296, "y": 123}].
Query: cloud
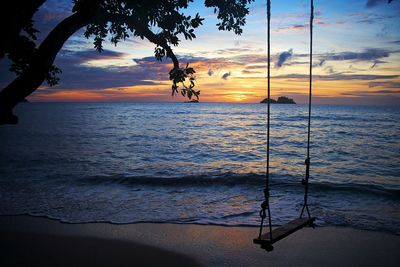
[
  {"x": 283, "y": 57},
  {"x": 369, "y": 54},
  {"x": 226, "y": 75},
  {"x": 376, "y": 62},
  {"x": 292, "y": 63},
  {"x": 330, "y": 70},
  {"x": 339, "y": 77},
  {"x": 367, "y": 21},
  {"x": 374, "y": 3},
  {"x": 227, "y": 52},
  {"x": 49, "y": 15},
  {"x": 384, "y": 84},
  {"x": 245, "y": 59},
  {"x": 257, "y": 66},
  {"x": 371, "y": 18},
  {"x": 299, "y": 27},
  {"x": 79, "y": 75},
  {"x": 83, "y": 56},
  {"x": 250, "y": 72},
  {"x": 296, "y": 27},
  {"x": 89, "y": 78},
  {"x": 305, "y": 27},
  {"x": 182, "y": 59},
  {"x": 319, "y": 64},
  {"x": 372, "y": 93}
]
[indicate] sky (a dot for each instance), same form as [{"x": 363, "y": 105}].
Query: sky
[{"x": 356, "y": 57}]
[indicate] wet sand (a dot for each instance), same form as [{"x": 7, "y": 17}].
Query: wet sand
[{"x": 31, "y": 241}]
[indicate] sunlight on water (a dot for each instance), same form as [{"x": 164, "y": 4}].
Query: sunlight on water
[{"x": 200, "y": 163}]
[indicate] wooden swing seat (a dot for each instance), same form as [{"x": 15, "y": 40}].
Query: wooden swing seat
[{"x": 283, "y": 231}]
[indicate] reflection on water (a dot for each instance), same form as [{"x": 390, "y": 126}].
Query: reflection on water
[{"x": 105, "y": 161}]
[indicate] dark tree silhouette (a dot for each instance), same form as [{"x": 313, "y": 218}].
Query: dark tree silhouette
[
  {"x": 16, "y": 18},
  {"x": 119, "y": 19}
]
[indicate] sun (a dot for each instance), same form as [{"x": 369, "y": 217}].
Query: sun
[{"x": 239, "y": 97}]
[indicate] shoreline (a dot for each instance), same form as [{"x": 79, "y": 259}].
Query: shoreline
[
  {"x": 317, "y": 224},
  {"x": 42, "y": 241}
]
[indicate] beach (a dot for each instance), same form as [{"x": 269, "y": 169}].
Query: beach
[{"x": 31, "y": 241}]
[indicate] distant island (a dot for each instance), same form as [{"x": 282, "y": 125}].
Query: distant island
[{"x": 281, "y": 100}]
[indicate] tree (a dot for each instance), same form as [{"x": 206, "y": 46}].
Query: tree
[
  {"x": 15, "y": 18},
  {"x": 119, "y": 19}
]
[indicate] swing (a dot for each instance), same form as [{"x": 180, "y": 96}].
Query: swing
[{"x": 267, "y": 239}]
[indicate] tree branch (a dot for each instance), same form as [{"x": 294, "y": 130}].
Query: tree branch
[
  {"x": 143, "y": 30},
  {"x": 38, "y": 69}
]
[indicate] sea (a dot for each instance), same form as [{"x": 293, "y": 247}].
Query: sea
[{"x": 201, "y": 163}]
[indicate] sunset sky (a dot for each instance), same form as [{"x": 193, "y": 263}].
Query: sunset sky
[{"x": 356, "y": 61}]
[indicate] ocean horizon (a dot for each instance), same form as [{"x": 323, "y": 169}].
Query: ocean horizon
[
  {"x": 377, "y": 105},
  {"x": 203, "y": 163}
]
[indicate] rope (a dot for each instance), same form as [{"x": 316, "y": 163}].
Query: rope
[
  {"x": 307, "y": 161},
  {"x": 265, "y": 204}
]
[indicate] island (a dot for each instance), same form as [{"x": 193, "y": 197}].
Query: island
[{"x": 281, "y": 100}]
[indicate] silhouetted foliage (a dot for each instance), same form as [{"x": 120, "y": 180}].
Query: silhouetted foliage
[{"x": 162, "y": 22}]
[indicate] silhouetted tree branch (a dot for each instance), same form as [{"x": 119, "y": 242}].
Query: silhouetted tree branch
[
  {"x": 117, "y": 19},
  {"x": 18, "y": 33},
  {"x": 39, "y": 67}
]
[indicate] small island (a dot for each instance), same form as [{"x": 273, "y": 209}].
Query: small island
[{"x": 281, "y": 100}]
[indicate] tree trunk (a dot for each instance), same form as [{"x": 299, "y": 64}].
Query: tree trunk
[{"x": 33, "y": 77}]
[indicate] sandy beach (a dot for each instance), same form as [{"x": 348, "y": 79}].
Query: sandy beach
[{"x": 39, "y": 241}]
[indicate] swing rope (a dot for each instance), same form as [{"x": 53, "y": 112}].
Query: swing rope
[
  {"x": 307, "y": 161},
  {"x": 265, "y": 204}
]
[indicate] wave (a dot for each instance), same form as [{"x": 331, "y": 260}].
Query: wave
[
  {"x": 198, "y": 180},
  {"x": 277, "y": 182},
  {"x": 370, "y": 189}
]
